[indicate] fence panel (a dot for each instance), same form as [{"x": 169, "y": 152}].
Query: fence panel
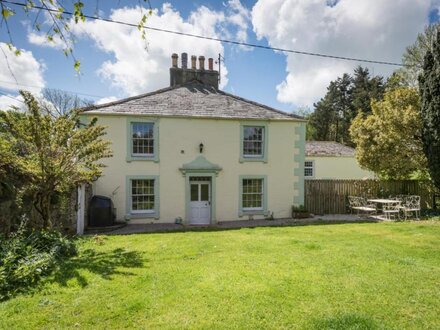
[{"x": 330, "y": 196}]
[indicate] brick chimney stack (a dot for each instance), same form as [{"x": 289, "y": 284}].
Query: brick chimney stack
[
  {"x": 174, "y": 58},
  {"x": 202, "y": 63},
  {"x": 183, "y": 75},
  {"x": 184, "y": 61}
]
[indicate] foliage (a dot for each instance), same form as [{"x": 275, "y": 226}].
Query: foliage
[
  {"x": 429, "y": 82},
  {"x": 414, "y": 55},
  {"x": 389, "y": 140},
  {"x": 346, "y": 97},
  {"x": 6, "y": 161},
  {"x": 306, "y": 113},
  {"x": 365, "y": 89},
  {"x": 59, "y": 15},
  {"x": 347, "y": 276},
  {"x": 300, "y": 208},
  {"x": 300, "y": 212},
  {"x": 52, "y": 155},
  {"x": 26, "y": 257}
]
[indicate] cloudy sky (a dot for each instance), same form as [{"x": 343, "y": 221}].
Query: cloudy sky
[{"x": 116, "y": 62}]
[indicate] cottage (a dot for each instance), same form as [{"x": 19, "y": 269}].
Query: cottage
[
  {"x": 193, "y": 152},
  {"x": 332, "y": 160}
]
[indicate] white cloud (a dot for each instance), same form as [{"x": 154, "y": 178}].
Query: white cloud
[
  {"x": 18, "y": 72},
  {"x": 370, "y": 29},
  {"x": 137, "y": 69},
  {"x": 40, "y": 39},
  {"x": 24, "y": 68},
  {"x": 106, "y": 100},
  {"x": 9, "y": 100}
]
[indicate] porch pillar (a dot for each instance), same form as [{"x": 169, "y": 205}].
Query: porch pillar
[{"x": 81, "y": 209}]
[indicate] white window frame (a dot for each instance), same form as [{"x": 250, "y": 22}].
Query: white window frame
[
  {"x": 144, "y": 211},
  {"x": 152, "y": 139},
  {"x": 312, "y": 167},
  {"x": 261, "y": 193},
  {"x": 131, "y": 121},
  {"x": 262, "y": 141}
]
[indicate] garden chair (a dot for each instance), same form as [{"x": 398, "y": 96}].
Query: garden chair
[
  {"x": 401, "y": 198},
  {"x": 411, "y": 205},
  {"x": 360, "y": 204},
  {"x": 392, "y": 210}
]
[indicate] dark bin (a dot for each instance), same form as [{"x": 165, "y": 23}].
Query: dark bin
[{"x": 101, "y": 212}]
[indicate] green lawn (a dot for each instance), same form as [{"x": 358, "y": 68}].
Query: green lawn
[{"x": 353, "y": 276}]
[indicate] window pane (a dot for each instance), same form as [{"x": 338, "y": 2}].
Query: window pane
[
  {"x": 252, "y": 193},
  {"x": 308, "y": 169},
  {"x": 142, "y": 138},
  {"x": 194, "y": 193},
  {"x": 253, "y": 139},
  {"x": 204, "y": 192},
  {"x": 142, "y": 195}
]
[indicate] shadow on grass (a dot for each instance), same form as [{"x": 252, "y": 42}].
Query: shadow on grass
[
  {"x": 104, "y": 264},
  {"x": 345, "y": 321}
]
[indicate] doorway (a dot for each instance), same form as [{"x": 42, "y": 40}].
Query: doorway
[{"x": 200, "y": 201}]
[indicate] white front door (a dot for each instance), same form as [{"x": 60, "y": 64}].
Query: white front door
[{"x": 200, "y": 203}]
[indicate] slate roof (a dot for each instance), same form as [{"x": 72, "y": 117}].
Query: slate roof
[
  {"x": 328, "y": 148},
  {"x": 192, "y": 100}
]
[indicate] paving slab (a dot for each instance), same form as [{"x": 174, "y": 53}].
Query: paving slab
[{"x": 226, "y": 225}]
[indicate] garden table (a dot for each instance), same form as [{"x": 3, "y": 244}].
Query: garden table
[
  {"x": 382, "y": 201},
  {"x": 385, "y": 202}
]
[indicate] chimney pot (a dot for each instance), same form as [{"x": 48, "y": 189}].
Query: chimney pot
[
  {"x": 202, "y": 63},
  {"x": 174, "y": 58},
  {"x": 184, "y": 60},
  {"x": 188, "y": 73},
  {"x": 210, "y": 64}
]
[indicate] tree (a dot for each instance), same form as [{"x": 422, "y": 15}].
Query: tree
[
  {"x": 365, "y": 89},
  {"x": 345, "y": 98},
  {"x": 414, "y": 55},
  {"x": 53, "y": 155},
  {"x": 340, "y": 96},
  {"x": 429, "y": 84},
  {"x": 329, "y": 120},
  {"x": 321, "y": 120},
  {"x": 58, "y": 15},
  {"x": 388, "y": 141},
  {"x": 59, "y": 103}
]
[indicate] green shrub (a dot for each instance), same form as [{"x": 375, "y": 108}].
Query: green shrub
[
  {"x": 300, "y": 208},
  {"x": 27, "y": 256}
]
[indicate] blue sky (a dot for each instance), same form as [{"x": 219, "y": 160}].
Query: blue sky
[{"x": 115, "y": 65}]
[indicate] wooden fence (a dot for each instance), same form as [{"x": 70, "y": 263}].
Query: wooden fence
[{"x": 330, "y": 196}]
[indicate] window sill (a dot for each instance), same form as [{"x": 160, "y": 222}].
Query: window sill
[
  {"x": 142, "y": 215},
  {"x": 142, "y": 158},
  {"x": 253, "y": 159},
  {"x": 252, "y": 212}
]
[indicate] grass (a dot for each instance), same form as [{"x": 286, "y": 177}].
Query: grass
[{"x": 352, "y": 276}]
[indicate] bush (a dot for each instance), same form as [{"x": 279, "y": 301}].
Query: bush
[
  {"x": 300, "y": 212},
  {"x": 27, "y": 256},
  {"x": 300, "y": 208}
]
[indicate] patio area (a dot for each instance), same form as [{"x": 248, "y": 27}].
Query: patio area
[
  {"x": 394, "y": 207},
  {"x": 229, "y": 225}
]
